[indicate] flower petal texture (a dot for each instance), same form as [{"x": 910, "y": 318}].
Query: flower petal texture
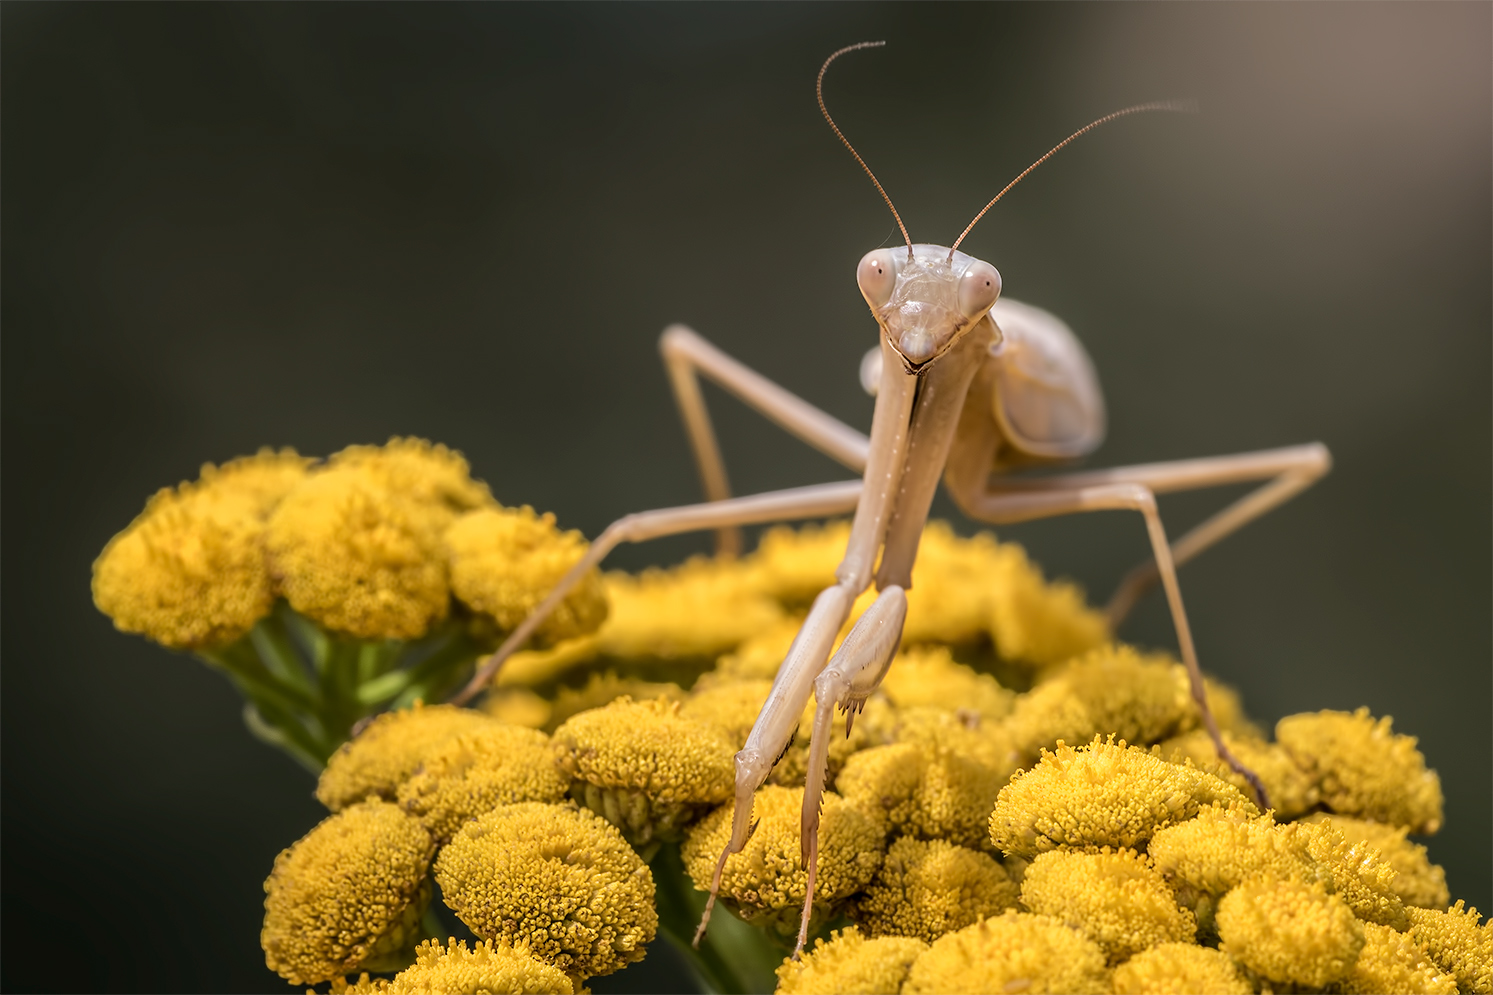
[
  {"x": 475, "y": 772},
  {"x": 926, "y": 888},
  {"x": 1115, "y": 897},
  {"x": 1290, "y": 932},
  {"x": 1179, "y": 969},
  {"x": 350, "y": 890},
  {"x": 484, "y": 969},
  {"x": 561, "y": 881},
  {"x": 380, "y": 758},
  {"x": 1012, "y": 952},
  {"x": 849, "y": 962}
]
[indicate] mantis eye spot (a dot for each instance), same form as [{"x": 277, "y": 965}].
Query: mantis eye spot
[
  {"x": 876, "y": 275},
  {"x": 978, "y": 288}
]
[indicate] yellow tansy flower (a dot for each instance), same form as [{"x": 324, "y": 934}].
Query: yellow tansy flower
[{"x": 849, "y": 962}]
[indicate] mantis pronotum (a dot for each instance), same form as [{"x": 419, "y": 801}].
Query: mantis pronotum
[{"x": 968, "y": 387}]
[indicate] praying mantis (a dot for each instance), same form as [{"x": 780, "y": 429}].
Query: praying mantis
[{"x": 968, "y": 387}]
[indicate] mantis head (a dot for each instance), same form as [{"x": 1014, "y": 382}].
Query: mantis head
[{"x": 927, "y": 298}]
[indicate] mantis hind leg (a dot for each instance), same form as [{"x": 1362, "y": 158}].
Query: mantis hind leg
[{"x": 1056, "y": 499}]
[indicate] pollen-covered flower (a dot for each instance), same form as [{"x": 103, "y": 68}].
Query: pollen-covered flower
[
  {"x": 1104, "y": 794},
  {"x": 1179, "y": 969},
  {"x": 1289, "y": 932},
  {"x": 504, "y": 561},
  {"x": 1417, "y": 881},
  {"x": 645, "y": 767},
  {"x": 602, "y": 689},
  {"x": 438, "y": 479},
  {"x": 1036, "y": 622},
  {"x": 1364, "y": 769},
  {"x": 1113, "y": 690},
  {"x": 559, "y": 880},
  {"x": 849, "y": 962},
  {"x": 955, "y": 583},
  {"x": 475, "y": 772},
  {"x": 794, "y": 565},
  {"x": 730, "y": 707},
  {"x": 1011, "y": 952},
  {"x": 380, "y": 758},
  {"x": 926, "y": 888},
  {"x": 1361, "y": 877},
  {"x": 1457, "y": 943},
  {"x": 1115, "y": 897},
  {"x": 350, "y": 891},
  {"x": 766, "y": 880},
  {"x": 1292, "y": 791},
  {"x": 1222, "y": 847},
  {"x": 699, "y": 609},
  {"x": 928, "y": 677},
  {"x": 483, "y": 969},
  {"x": 1392, "y": 963},
  {"x": 358, "y": 557},
  {"x": 923, "y": 789},
  {"x": 189, "y": 572}
]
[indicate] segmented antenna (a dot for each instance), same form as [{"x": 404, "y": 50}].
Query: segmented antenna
[
  {"x": 1183, "y": 106},
  {"x": 819, "y": 92}
]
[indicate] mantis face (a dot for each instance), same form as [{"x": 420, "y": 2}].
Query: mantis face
[{"x": 926, "y": 299}]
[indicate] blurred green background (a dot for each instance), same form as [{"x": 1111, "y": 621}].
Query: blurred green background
[{"x": 226, "y": 226}]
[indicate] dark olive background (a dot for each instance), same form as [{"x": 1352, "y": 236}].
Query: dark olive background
[{"x": 314, "y": 225}]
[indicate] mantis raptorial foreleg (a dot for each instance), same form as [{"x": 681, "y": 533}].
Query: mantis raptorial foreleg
[
  {"x": 815, "y": 501},
  {"x": 853, "y": 675},
  {"x": 687, "y": 354}
]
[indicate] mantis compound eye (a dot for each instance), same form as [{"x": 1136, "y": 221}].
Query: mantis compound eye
[
  {"x": 876, "y": 275},
  {"x": 978, "y": 288}
]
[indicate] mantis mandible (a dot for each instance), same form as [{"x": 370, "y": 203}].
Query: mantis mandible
[{"x": 968, "y": 387}]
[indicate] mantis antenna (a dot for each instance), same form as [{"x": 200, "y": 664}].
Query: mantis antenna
[
  {"x": 1183, "y": 106},
  {"x": 819, "y": 92}
]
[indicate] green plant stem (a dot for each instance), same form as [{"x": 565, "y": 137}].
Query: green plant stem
[{"x": 733, "y": 958}]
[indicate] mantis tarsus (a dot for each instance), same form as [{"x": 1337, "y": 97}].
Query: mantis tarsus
[{"x": 968, "y": 387}]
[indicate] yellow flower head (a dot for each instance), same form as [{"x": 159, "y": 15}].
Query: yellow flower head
[
  {"x": 1104, "y": 794},
  {"x": 602, "y": 689},
  {"x": 1289, "y": 932},
  {"x": 189, "y": 572},
  {"x": 765, "y": 880},
  {"x": 699, "y": 609},
  {"x": 477, "y": 771},
  {"x": 1361, "y": 877},
  {"x": 644, "y": 766},
  {"x": 1392, "y": 963},
  {"x": 434, "y": 477},
  {"x": 1034, "y": 622},
  {"x": 955, "y": 583},
  {"x": 1364, "y": 769},
  {"x": 1292, "y": 791},
  {"x": 1457, "y": 944},
  {"x": 1179, "y": 969},
  {"x": 350, "y": 891},
  {"x": 1417, "y": 881},
  {"x": 486, "y": 967},
  {"x": 1222, "y": 847},
  {"x": 264, "y": 478},
  {"x": 1012, "y": 952},
  {"x": 848, "y": 962},
  {"x": 1115, "y": 897},
  {"x": 559, "y": 880},
  {"x": 358, "y": 557},
  {"x": 794, "y": 565},
  {"x": 756, "y": 658},
  {"x": 1113, "y": 690},
  {"x": 928, "y": 677},
  {"x": 382, "y": 756},
  {"x": 729, "y": 707},
  {"x": 923, "y": 789},
  {"x": 504, "y": 561},
  {"x": 928, "y": 888}
]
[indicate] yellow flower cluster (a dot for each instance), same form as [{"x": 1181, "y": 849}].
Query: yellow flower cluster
[
  {"x": 371, "y": 544},
  {"x": 1104, "y": 866},
  {"x": 555, "y": 889}
]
